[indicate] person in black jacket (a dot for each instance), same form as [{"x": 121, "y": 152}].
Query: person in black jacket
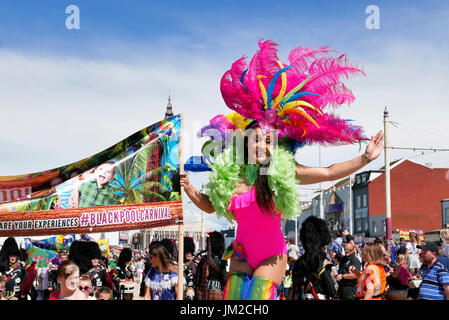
[
  {"x": 347, "y": 281},
  {"x": 12, "y": 268},
  {"x": 311, "y": 276},
  {"x": 123, "y": 273}
]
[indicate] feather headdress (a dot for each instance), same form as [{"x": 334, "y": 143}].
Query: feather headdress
[
  {"x": 293, "y": 98},
  {"x": 297, "y": 99}
]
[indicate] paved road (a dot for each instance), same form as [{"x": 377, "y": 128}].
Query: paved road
[{"x": 137, "y": 291}]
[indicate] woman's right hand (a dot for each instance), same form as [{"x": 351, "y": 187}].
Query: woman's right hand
[{"x": 198, "y": 198}]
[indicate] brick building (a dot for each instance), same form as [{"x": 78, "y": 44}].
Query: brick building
[{"x": 416, "y": 194}]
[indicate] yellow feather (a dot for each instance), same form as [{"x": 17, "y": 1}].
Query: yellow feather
[
  {"x": 293, "y": 104},
  {"x": 283, "y": 88},
  {"x": 301, "y": 112},
  {"x": 237, "y": 120},
  {"x": 263, "y": 91}
]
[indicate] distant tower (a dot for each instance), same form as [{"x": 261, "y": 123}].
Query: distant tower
[{"x": 169, "y": 112}]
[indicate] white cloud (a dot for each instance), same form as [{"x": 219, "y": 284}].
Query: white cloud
[{"x": 57, "y": 110}]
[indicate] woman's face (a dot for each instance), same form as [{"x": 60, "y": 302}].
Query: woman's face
[
  {"x": 71, "y": 283},
  {"x": 364, "y": 255},
  {"x": 259, "y": 145},
  {"x": 154, "y": 260}
]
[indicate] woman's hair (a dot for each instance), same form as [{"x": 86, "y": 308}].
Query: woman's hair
[
  {"x": 374, "y": 253},
  {"x": 102, "y": 290},
  {"x": 66, "y": 269},
  {"x": 401, "y": 258},
  {"x": 413, "y": 236},
  {"x": 444, "y": 234},
  {"x": 378, "y": 240},
  {"x": 264, "y": 195},
  {"x": 158, "y": 249},
  {"x": 169, "y": 246}
]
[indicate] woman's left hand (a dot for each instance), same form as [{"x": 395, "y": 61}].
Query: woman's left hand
[{"x": 375, "y": 146}]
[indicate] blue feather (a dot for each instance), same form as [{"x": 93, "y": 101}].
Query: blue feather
[
  {"x": 241, "y": 80},
  {"x": 300, "y": 94},
  {"x": 271, "y": 85}
]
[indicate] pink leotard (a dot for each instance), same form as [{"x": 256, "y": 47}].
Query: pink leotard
[{"x": 258, "y": 233}]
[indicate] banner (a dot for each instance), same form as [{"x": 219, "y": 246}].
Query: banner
[
  {"x": 40, "y": 255},
  {"x": 132, "y": 185},
  {"x": 104, "y": 247},
  {"x": 404, "y": 233},
  {"x": 58, "y": 243}
]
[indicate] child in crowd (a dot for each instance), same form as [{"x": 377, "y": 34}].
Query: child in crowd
[
  {"x": 68, "y": 278},
  {"x": 103, "y": 293},
  {"x": 86, "y": 286}
]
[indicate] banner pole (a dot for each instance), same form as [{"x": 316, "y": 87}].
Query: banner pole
[{"x": 180, "y": 294}]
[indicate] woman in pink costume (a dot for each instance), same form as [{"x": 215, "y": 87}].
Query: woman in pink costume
[{"x": 257, "y": 189}]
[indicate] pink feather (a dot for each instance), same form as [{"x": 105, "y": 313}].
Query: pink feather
[{"x": 328, "y": 72}]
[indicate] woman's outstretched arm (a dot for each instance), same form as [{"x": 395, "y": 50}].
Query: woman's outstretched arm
[
  {"x": 199, "y": 199},
  {"x": 311, "y": 175}
]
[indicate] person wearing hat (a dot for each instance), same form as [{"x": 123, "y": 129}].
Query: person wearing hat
[
  {"x": 344, "y": 238},
  {"x": 97, "y": 273},
  {"x": 12, "y": 268},
  {"x": 435, "y": 278}
]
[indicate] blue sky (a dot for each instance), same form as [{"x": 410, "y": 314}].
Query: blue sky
[
  {"x": 214, "y": 28},
  {"x": 60, "y": 88}
]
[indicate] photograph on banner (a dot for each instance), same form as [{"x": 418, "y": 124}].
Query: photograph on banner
[{"x": 133, "y": 183}]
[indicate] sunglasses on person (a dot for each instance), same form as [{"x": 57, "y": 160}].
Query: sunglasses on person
[
  {"x": 1, "y": 291},
  {"x": 85, "y": 288},
  {"x": 348, "y": 250}
]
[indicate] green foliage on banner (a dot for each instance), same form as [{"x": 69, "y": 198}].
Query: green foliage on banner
[{"x": 131, "y": 182}]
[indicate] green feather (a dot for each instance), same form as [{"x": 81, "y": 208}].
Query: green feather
[
  {"x": 282, "y": 180},
  {"x": 296, "y": 89},
  {"x": 252, "y": 172}
]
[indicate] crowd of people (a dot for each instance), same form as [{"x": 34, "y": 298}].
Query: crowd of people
[
  {"x": 83, "y": 273},
  {"x": 341, "y": 269},
  {"x": 323, "y": 268}
]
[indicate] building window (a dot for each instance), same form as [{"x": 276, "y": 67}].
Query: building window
[
  {"x": 364, "y": 200},
  {"x": 384, "y": 225},
  {"x": 374, "y": 226},
  {"x": 446, "y": 215},
  {"x": 358, "y": 179},
  {"x": 358, "y": 205},
  {"x": 358, "y": 225},
  {"x": 365, "y": 224}
]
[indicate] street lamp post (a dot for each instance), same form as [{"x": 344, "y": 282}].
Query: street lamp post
[{"x": 387, "y": 177}]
